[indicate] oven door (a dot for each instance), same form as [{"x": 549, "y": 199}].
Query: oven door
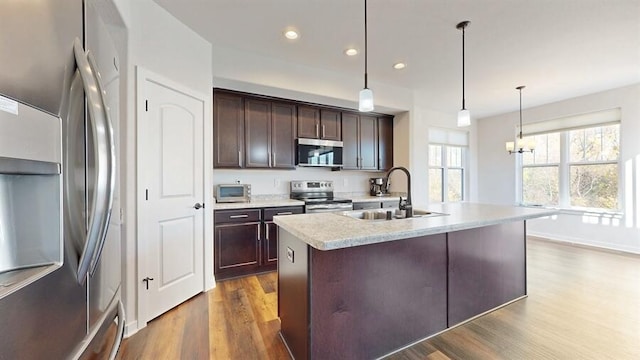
[{"x": 323, "y": 208}]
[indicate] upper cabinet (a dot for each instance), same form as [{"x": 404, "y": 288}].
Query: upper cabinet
[
  {"x": 251, "y": 132},
  {"x": 228, "y": 130},
  {"x": 360, "y": 134},
  {"x": 385, "y": 143},
  {"x": 316, "y": 123}
]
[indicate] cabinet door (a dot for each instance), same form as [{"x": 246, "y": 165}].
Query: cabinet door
[
  {"x": 236, "y": 249},
  {"x": 257, "y": 133},
  {"x": 283, "y": 130},
  {"x": 385, "y": 143},
  {"x": 330, "y": 125},
  {"x": 228, "y": 130},
  {"x": 270, "y": 243},
  {"x": 308, "y": 122},
  {"x": 368, "y": 143},
  {"x": 350, "y": 154}
]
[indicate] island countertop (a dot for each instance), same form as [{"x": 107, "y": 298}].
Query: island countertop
[{"x": 330, "y": 231}]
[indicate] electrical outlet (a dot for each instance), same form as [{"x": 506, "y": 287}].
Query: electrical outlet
[{"x": 276, "y": 183}]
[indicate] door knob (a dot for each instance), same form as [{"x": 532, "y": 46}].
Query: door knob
[
  {"x": 197, "y": 206},
  {"x": 146, "y": 281}
]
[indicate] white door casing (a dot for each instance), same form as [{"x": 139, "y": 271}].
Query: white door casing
[{"x": 171, "y": 176}]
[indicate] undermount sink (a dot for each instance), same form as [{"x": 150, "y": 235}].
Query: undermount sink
[{"x": 381, "y": 214}]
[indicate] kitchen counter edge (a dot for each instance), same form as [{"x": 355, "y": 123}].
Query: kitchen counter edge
[
  {"x": 257, "y": 204},
  {"x": 331, "y": 231}
]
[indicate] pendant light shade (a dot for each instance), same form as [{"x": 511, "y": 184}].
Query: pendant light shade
[
  {"x": 365, "y": 102},
  {"x": 464, "y": 116}
]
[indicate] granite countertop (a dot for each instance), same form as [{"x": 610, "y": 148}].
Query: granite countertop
[
  {"x": 328, "y": 231},
  {"x": 258, "y": 203}
]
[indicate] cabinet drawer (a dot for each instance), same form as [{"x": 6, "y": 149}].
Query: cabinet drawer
[
  {"x": 366, "y": 205},
  {"x": 233, "y": 216},
  {"x": 269, "y": 213}
]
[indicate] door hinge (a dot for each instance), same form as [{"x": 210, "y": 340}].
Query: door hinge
[
  {"x": 146, "y": 105},
  {"x": 146, "y": 194}
]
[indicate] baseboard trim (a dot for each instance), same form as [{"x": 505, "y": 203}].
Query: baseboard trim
[{"x": 583, "y": 245}]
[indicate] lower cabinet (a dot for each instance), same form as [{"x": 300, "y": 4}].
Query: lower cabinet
[{"x": 246, "y": 240}]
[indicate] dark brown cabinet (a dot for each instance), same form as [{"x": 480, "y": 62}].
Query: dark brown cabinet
[
  {"x": 246, "y": 240},
  {"x": 385, "y": 143},
  {"x": 283, "y": 130},
  {"x": 269, "y": 134},
  {"x": 271, "y": 231},
  {"x": 236, "y": 242},
  {"x": 228, "y": 130},
  {"x": 252, "y": 132},
  {"x": 316, "y": 123},
  {"x": 360, "y": 134}
]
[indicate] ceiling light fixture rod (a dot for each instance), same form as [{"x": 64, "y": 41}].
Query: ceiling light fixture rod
[
  {"x": 365, "y": 101},
  {"x": 519, "y": 88},
  {"x": 366, "y": 80},
  {"x": 464, "y": 117}
]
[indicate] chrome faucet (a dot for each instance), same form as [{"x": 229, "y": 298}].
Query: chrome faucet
[{"x": 404, "y": 204}]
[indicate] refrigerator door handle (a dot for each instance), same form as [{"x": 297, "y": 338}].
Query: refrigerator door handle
[
  {"x": 104, "y": 155},
  {"x": 120, "y": 333}
]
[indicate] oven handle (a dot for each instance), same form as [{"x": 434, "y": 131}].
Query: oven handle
[{"x": 328, "y": 207}]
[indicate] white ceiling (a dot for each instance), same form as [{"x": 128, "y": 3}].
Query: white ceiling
[{"x": 559, "y": 49}]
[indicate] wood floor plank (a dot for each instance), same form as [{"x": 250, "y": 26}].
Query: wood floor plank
[{"x": 582, "y": 304}]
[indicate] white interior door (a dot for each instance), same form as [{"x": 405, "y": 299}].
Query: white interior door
[{"x": 170, "y": 193}]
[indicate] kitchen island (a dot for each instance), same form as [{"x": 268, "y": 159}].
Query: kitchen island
[{"x": 350, "y": 288}]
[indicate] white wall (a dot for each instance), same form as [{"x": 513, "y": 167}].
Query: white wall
[
  {"x": 160, "y": 43},
  {"x": 497, "y": 170}
]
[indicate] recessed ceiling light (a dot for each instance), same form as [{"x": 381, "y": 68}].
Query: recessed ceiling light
[
  {"x": 351, "y": 52},
  {"x": 291, "y": 34},
  {"x": 399, "y": 66}
]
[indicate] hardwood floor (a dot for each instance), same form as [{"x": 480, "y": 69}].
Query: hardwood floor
[{"x": 582, "y": 304}]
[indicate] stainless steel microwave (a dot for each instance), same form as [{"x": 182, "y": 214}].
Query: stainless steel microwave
[
  {"x": 229, "y": 193},
  {"x": 314, "y": 152}
]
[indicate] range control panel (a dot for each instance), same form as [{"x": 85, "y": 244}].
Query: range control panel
[{"x": 308, "y": 186}]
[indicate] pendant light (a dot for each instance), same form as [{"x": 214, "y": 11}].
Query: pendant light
[
  {"x": 520, "y": 144},
  {"x": 366, "y": 95},
  {"x": 464, "y": 117}
]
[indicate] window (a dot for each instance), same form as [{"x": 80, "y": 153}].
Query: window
[
  {"x": 574, "y": 168},
  {"x": 446, "y": 173},
  {"x": 447, "y": 149}
]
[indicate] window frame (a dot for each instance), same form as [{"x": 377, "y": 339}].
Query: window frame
[
  {"x": 444, "y": 171},
  {"x": 564, "y": 173}
]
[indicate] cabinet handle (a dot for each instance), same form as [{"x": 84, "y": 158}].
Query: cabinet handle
[
  {"x": 269, "y": 160},
  {"x": 285, "y": 213},
  {"x": 238, "y": 216},
  {"x": 240, "y": 158},
  {"x": 323, "y": 131},
  {"x": 317, "y": 130},
  {"x": 266, "y": 231},
  {"x": 259, "y": 232},
  {"x": 273, "y": 158}
]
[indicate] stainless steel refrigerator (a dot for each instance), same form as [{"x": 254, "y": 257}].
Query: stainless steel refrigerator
[{"x": 60, "y": 251}]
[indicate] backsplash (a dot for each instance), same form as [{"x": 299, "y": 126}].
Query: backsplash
[{"x": 276, "y": 182}]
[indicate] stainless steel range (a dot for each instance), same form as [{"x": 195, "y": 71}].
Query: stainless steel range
[{"x": 318, "y": 196}]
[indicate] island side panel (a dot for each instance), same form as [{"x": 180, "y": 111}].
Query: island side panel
[
  {"x": 370, "y": 300},
  {"x": 293, "y": 293},
  {"x": 487, "y": 268}
]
